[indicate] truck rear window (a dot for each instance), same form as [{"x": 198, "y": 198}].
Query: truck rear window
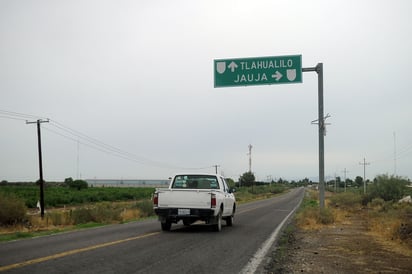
[{"x": 195, "y": 182}]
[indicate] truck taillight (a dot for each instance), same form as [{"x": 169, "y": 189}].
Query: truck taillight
[
  {"x": 213, "y": 201},
  {"x": 155, "y": 199}
]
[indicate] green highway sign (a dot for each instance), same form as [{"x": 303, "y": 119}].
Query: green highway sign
[{"x": 258, "y": 71}]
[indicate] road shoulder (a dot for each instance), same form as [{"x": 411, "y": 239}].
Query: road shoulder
[{"x": 346, "y": 247}]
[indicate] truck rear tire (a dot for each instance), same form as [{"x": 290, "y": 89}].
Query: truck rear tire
[
  {"x": 218, "y": 225},
  {"x": 229, "y": 220},
  {"x": 166, "y": 226}
]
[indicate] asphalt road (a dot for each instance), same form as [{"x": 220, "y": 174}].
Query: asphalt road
[{"x": 141, "y": 247}]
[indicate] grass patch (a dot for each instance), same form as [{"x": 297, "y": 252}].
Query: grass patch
[
  {"x": 247, "y": 194},
  {"x": 386, "y": 220},
  {"x": 279, "y": 255},
  {"x": 15, "y": 236}
]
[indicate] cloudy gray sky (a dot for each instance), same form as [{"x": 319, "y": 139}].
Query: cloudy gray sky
[{"x": 129, "y": 89}]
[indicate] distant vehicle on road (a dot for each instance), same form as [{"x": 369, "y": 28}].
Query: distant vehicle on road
[{"x": 193, "y": 197}]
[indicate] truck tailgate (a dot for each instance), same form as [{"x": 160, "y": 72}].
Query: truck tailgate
[{"x": 184, "y": 198}]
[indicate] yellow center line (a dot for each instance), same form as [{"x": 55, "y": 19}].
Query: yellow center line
[{"x": 71, "y": 252}]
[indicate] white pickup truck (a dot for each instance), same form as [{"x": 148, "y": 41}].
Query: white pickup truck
[{"x": 194, "y": 197}]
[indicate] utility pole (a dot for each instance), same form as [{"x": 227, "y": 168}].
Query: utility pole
[
  {"x": 364, "y": 174},
  {"x": 78, "y": 158},
  {"x": 394, "y": 153},
  {"x": 250, "y": 158},
  {"x": 41, "y": 181},
  {"x": 344, "y": 176},
  {"x": 216, "y": 166}
]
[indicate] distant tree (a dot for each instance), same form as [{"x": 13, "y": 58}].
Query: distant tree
[
  {"x": 78, "y": 184},
  {"x": 358, "y": 181},
  {"x": 230, "y": 182},
  {"x": 68, "y": 181},
  {"x": 247, "y": 179},
  {"x": 303, "y": 182},
  {"x": 3, "y": 182},
  {"x": 349, "y": 182}
]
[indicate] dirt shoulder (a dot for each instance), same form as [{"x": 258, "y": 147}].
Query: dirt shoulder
[{"x": 345, "y": 247}]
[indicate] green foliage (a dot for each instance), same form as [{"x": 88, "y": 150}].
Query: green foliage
[
  {"x": 231, "y": 183},
  {"x": 68, "y": 181},
  {"x": 12, "y": 209},
  {"x": 82, "y": 215},
  {"x": 247, "y": 179},
  {"x": 101, "y": 213},
  {"x": 358, "y": 181},
  {"x": 310, "y": 210},
  {"x": 56, "y": 196},
  {"x": 346, "y": 200},
  {"x": 389, "y": 188},
  {"x": 77, "y": 184},
  {"x": 273, "y": 189},
  {"x": 145, "y": 207}
]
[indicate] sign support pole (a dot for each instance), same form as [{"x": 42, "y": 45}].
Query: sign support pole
[{"x": 321, "y": 126}]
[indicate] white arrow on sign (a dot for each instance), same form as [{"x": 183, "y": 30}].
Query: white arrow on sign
[
  {"x": 232, "y": 66},
  {"x": 277, "y": 75}
]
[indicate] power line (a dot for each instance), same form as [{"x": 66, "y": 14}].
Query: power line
[
  {"x": 111, "y": 150},
  {"x": 12, "y": 118},
  {"x": 81, "y": 138},
  {"x": 20, "y": 116}
]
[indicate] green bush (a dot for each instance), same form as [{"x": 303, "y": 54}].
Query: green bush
[
  {"x": 389, "y": 188},
  {"x": 145, "y": 207},
  {"x": 106, "y": 213},
  {"x": 12, "y": 209},
  {"x": 101, "y": 213},
  {"x": 59, "y": 196},
  {"x": 82, "y": 216},
  {"x": 345, "y": 200}
]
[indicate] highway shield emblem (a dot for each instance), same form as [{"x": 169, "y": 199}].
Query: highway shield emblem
[
  {"x": 221, "y": 67},
  {"x": 291, "y": 74}
]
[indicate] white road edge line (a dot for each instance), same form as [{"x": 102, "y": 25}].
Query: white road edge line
[{"x": 256, "y": 260}]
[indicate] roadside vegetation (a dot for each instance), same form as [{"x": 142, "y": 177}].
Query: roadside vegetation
[
  {"x": 386, "y": 218},
  {"x": 72, "y": 204}
]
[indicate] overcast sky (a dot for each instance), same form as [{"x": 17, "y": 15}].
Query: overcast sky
[{"x": 129, "y": 90}]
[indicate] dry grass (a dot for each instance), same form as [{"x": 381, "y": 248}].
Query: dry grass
[
  {"x": 382, "y": 220},
  {"x": 57, "y": 219}
]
